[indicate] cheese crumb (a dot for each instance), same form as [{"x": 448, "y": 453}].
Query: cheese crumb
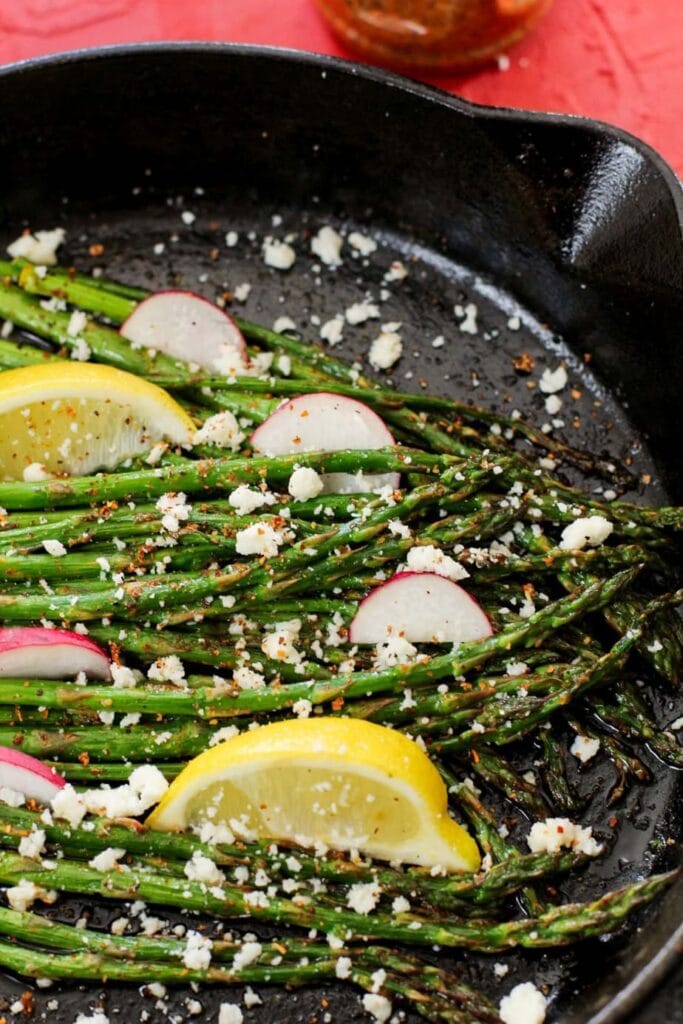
[
  {"x": 230, "y": 1013},
  {"x": 385, "y": 350},
  {"x": 145, "y": 787},
  {"x": 35, "y": 472},
  {"x": 364, "y": 245},
  {"x": 326, "y": 245},
  {"x": 342, "y": 968},
  {"x": 247, "y": 954},
  {"x": 222, "y": 430},
  {"x": 332, "y": 331},
  {"x": 33, "y": 844},
  {"x": 280, "y": 256},
  {"x": 107, "y": 859},
  {"x": 202, "y": 869},
  {"x": 305, "y": 483},
  {"x": 54, "y": 548},
  {"x": 258, "y": 539},
  {"x": 197, "y": 952},
  {"x": 378, "y": 1006},
  {"x": 468, "y": 318},
  {"x": 23, "y": 895},
  {"x": 167, "y": 670},
  {"x": 40, "y": 247},
  {"x": 246, "y": 499},
  {"x": 553, "y": 380},
  {"x": 359, "y": 312},
  {"x": 363, "y": 897},
  {"x": 427, "y": 558},
  {"x": 67, "y": 804},
  {"x": 591, "y": 531},
  {"x": 395, "y": 650},
  {"x": 584, "y": 748},
  {"x": 555, "y": 834},
  {"x": 524, "y": 1005}
]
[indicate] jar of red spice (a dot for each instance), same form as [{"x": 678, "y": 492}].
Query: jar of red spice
[{"x": 431, "y": 35}]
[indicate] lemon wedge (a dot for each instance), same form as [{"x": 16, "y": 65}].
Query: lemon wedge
[
  {"x": 343, "y": 782},
  {"x": 77, "y": 417}
]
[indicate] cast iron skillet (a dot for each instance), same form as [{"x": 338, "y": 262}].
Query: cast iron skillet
[{"x": 573, "y": 226}]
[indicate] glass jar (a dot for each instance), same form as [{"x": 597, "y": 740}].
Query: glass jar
[{"x": 431, "y": 35}]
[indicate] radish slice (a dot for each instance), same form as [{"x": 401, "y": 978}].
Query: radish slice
[
  {"x": 187, "y": 326},
  {"x": 323, "y": 422},
  {"x": 423, "y": 608},
  {"x": 29, "y": 776},
  {"x": 39, "y": 653}
]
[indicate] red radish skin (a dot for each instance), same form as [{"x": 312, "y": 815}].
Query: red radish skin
[
  {"x": 184, "y": 325},
  {"x": 324, "y": 422},
  {"x": 39, "y": 653},
  {"x": 29, "y": 776},
  {"x": 422, "y": 607}
]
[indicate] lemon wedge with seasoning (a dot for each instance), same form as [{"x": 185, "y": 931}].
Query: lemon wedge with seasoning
[
  {"x": 342, "y": 782},
  {"x": 78, "y": 417}
]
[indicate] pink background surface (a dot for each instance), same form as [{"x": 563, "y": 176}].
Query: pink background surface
[{"x": 617, "y": 60}]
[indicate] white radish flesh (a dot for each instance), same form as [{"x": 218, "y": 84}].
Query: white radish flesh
[
  {"x": 29, "y": 776},
  {"x": 423, "y": 608},
  {"x": 35, "y": 652},
  {"x": 187, "y": 326},
  {"x": 323, "y": 422}
]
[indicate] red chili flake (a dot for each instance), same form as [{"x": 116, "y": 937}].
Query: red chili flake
[
  {"x": 524, "y": 362},
  {"x": 84, "y": 758},
  {"x": 613, "y": 822},
  {"x": 337, "y": 703},
  {"x": 96, "y": 249}
]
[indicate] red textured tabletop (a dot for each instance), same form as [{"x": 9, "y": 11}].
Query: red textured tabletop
[{"x": 618, "y": 61}]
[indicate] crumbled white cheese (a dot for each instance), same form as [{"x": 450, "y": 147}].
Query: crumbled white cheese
[
  {"x": 188, "y": 217},
  {"x": 174, "y": 511},
  {"x": 385, "y": 350},
  {"x": 246, "y": 499},
  {"x": 78, "y": 321},
  {"x": 169, "y": 669},
  {"x": 222, "y": 429},
  {"x": 427, "y": 558},
  {"x": 399, "y": 529},
  {"x": 197, "y": 952},
  {"x": 11, "y": 797},
  {"x": 33, "y": 844},
  {"x": 68, "y": 804},
  {"x": 359, "y": 312},
  {"x": 122, "y": 678},
  {"x": 221, "y": 735},
  {"x": 107, "y": 859},
  {"x": 241, "y": 291},
  {"x": 280, "y": 645},
  {"x": 302, "y": 708},
  {"x": 305, "y": 483},
  {"x": 332, "y": 331},
  {"x": 247, "y": 954},
  {"x": 364, "y": 245},
  {"x": 524, "y": 1005},
  {"x": 395, "y": 650},
  {"x": 258, "y": 539},
  {"x": 279, "y": 255},
  {"x": 23, "y": 895},
  {"x": 251, "y": 998},
  {"x": 591, "y": 531},
  {"x": 326, "y": 245},
  {"x": 400, "y": 905},
  {"x": 468, "y": 318},
  {"x": 553, "y": 380},
  {"x": 516, "y": 668},
  {"x": 378, "y": 1007},
  {"x": 342, "y": 968},
  {"x": 363, "y": 897},
  {"x": 284, "y": 323},
  {"x": 35, "y": 472},
  {"x": 553, "y": 404},
  {"x": 231, "y": 239},
  {"x": 145, "y": 787},
  {"x": 40, "y": 247},
  {"x": 230, "y": 1013},
  {"x": 247, "y": 679},
  {"x": 556, "y": 834},
  {"x": 396, "y": 272},
  {"x": 54, "y": 548},
  {"x": 96, "y": 1017},
  {"x": 500, "y": 970},
  {"x": 584, "y": 748}
]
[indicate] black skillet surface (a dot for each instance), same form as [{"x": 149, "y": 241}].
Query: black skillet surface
[{"x": 573, "y": 227}]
